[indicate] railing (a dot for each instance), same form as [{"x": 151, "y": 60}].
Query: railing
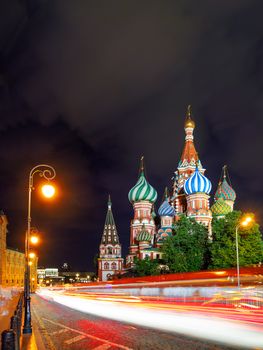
[{"x": 11, "y": 337}]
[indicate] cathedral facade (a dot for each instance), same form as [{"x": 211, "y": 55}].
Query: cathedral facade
[{"x": 189, "y": 195}]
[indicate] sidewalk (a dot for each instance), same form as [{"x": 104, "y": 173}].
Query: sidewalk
[{"x": 33, "y": 341}]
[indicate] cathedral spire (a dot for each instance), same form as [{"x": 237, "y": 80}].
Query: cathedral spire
[
  {"x": 166, "y": 193},
  {"x": 189, "y": 123},
  {"x": 109, "y": 202},
  {"x": 189, "y": 156},
  {"x": 224, "y": 189},
  {"x": 141, "y": 165},
  {"x": 110, "y": 235}
]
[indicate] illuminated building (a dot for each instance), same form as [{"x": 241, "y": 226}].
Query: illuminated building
[
  {"x": 110, "y": 260},
  {"x": 190, "y": 195},
  {"x": 12, "y": 262}
]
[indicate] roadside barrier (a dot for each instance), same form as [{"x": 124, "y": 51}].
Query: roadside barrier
[{"x": 11, "y": 337}]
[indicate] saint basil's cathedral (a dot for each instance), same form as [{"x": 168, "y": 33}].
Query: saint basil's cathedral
[{"x": 189, "y": 195}]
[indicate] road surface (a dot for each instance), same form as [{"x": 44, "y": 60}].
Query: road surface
[{"x": 58, "y": 327}]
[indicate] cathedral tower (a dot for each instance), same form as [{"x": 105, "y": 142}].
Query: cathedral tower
[
  {"x": 225, "y": 196},
  {"x": 186, "y": 166},
  {"x": 142, "y": 196},
  {"x": 197, "y": 188},
  {"x": 167, "y": 214},
  {"x": 110, "y": 260}
]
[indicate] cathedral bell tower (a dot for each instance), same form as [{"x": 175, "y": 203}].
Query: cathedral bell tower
[
  {"x": 110, "y": 261},
  {"x": 186, "y": 166}
]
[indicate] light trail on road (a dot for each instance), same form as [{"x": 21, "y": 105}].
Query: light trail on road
[{"x": 230, "y": 327}]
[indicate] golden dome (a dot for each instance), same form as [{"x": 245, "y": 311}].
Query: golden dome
[{"x": 189, "y": 123}]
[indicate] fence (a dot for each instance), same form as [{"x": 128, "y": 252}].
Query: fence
[{"x": 11, "y": 337}]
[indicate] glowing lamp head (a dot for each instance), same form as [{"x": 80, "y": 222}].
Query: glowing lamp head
[
  {"x": 34, "y": 239},
  {"x": 32, "y": 255},
  {"x": 30, "y": 263},
  {"x": 48, "y": 191},
  {"x": 247, "y": 221}
]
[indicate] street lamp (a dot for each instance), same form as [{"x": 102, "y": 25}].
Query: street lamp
[
  {"x": 247, "y": 220},
  {"x": 34, "y": 236},
  {"x": 47, "y": 172}
]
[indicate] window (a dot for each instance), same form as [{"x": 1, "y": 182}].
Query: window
[
  {"x": 106, "y": 266},
  {"x": 114, "y": 266}
]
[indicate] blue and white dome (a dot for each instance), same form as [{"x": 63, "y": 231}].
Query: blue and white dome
[
  {"x": 197, "y": 183},
  {"x": 166, "y": 209}
]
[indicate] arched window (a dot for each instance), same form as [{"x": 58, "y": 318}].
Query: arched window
[
  {"x": 106, "y": 266},
  {"x": 114, "y": 266},
  {"x": 109, "y": 250}
]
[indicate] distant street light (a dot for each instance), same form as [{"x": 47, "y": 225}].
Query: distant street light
[
  {"x": 48, "y": 172},
  {"x": 32, "y": 255},
  {"x": 246, "y": 221},
  {"x": 34, "y": 239},
  {"x": 34, "y": 235}
]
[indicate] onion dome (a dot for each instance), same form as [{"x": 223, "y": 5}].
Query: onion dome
[
  {"x": 165, "y": 208},
  {"x": 220, "y": 208},
  {"x": 142, "y": 191},
  {"x": 144, "y": 235},
  {"x": 189, "y": 123},
  {"x": 197, "y": 183},
  {"x": 224, "y": 190}
]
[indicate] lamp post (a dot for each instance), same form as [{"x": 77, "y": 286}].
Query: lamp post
[
  {"x": 243, "y": 223},
  {"x": 47, "y": 172}
]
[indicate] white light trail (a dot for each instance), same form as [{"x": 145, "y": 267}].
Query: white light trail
[{"x": 213, "y": 329}]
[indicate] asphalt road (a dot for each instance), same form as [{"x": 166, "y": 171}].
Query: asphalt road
[{"x": 58, "y": 327}]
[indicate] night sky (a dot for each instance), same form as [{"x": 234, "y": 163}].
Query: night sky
[{"x": 89, "y": 87}]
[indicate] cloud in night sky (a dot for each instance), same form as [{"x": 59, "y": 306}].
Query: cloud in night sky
[{"x": 92, "y": 86}]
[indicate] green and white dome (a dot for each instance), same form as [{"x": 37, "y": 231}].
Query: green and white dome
[
  {"x": 220, "y": 208},
  {"x": 144, "y": 235},
  {"x": 142, "y": 191}
]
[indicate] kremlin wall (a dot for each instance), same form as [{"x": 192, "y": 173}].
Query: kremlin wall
[{"x": 189, "y": 195}]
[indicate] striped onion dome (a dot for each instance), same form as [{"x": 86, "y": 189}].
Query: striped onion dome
[
  {"x": 142, "y": 191},
  {"x": 197, "y": 183},
  {"x": 220, "y": 207},
  {"x": 166, "y": 209},
  {"x": 144, "y": 235},
  {"x": 225, "y": 191}
]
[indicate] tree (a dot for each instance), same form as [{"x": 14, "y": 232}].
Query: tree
[
  {"x": 187, "y": 249},
  {"x": 146, "y": 267},
  {"x": 223, "y": 247}
]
